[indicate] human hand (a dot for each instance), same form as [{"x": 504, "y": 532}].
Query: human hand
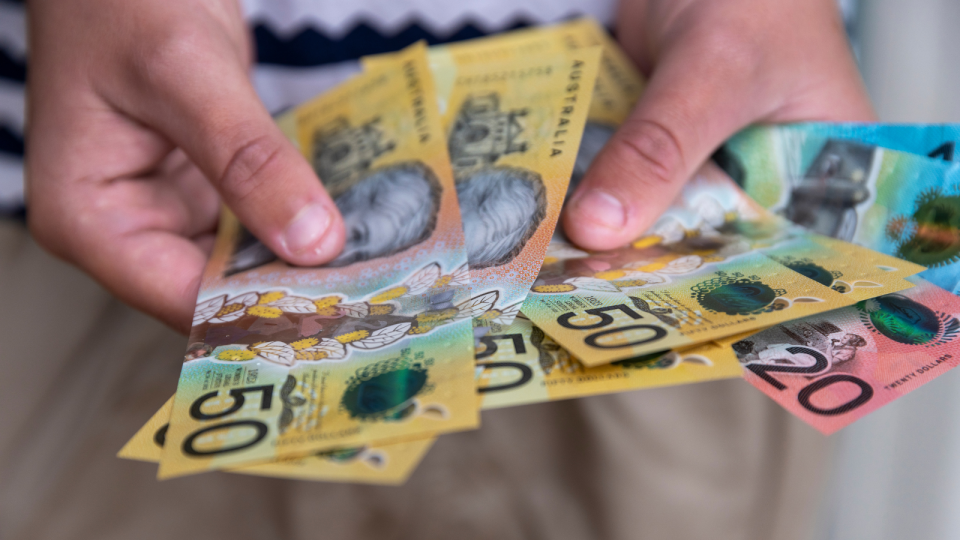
[
  {"x": 714, "y": 67},
  {"x": 140, "y": 113}
]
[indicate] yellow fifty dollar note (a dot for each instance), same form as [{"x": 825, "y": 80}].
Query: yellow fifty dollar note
[
  {"x": 520, "y": 364},
  {"x": 389, "y": 464},
  {"x": 617, "y": 87},
  {"x": 513, "y": 133},
  {"x": 377, "y": 345},
  {"x": 703, "y": 272},
  {"x": 857, "y": 272}
]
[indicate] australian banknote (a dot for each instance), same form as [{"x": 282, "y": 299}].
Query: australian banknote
[
  {"x": 617, "y": 85},
  {"x": 284, "y": 361},
  {"x": 937, "y": 141},
  {"x": 833, "y": 368},
  {"x": 520, "y": 364},
  {"x": 701, "y": 273},
  {"x": 616, "y": 89},
  {"x": 901, "y": 204},
  {"x": 513, "y": 131},
  {"x": 707, "y": 225},
  {"x": 371, "y": 464}
]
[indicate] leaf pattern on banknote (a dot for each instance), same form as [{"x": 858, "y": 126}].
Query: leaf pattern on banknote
[
  {"x": 508, "y": 314},
  {"x": 383, "y": 337},
  {"x": 294, "y": 304},
  {"x": 423, "y": 279},
  {"x": 458, "y": 278},
  {"x": 357, "y": 310},
  {"x": 477, "y": 306},
  {"x": 586, "y": 283},
  {"x": 235, "y": 308},
  {"x": 207, "y": 309},
  {"x": 333, "y": 349},
  {"x": 277, "y": 352}
]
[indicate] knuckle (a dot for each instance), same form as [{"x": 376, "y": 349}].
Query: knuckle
[
  {"x": 732, "y": 49},
  {"x": 163, "y": 59},
  {"x": 655, "y": 149},
  {"x": 244, "y": 175}
]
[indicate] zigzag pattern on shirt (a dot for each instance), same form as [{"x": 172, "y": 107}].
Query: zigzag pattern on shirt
[
  {"x": 335, "y": 19},
  {"x": 310, "y": 47},
  {"x": 11, "y": 142},
  {"x": 12, "y": 69}
]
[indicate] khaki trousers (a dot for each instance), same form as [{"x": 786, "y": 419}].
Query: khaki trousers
[{"x": 80, "y": 372}]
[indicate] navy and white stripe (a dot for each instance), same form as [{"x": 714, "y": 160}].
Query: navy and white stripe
[{"x": 13, "y": 74}]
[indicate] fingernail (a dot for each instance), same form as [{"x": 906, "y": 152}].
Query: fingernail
[
  {"x": 307, "y": 227},
  {"x": 602, "y": 208}
]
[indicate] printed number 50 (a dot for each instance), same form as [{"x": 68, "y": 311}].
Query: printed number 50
[
  {"x": 196, "y": 411},
  {"x": 605, "y": 320}
]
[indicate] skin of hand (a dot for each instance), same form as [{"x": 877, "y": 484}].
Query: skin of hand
[
  {"x": 713, "y": 67},
  {"x": 142, "y": 117}
]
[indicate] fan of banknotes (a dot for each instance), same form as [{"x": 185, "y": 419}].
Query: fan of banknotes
[{"x": 817, "y": 261}]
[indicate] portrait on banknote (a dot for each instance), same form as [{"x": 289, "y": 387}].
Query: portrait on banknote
[{"x": 501, "y": 207}]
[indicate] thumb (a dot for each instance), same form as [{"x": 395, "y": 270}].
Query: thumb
[
  {"x": 708, "y": 84},
  {"x": 208, "y": 108},
  {"x": 690, "y": 107}
]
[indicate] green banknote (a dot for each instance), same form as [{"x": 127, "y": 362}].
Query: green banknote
[
  {"x": 376, "y": 346},
  {"x": 896, "y": 203}
]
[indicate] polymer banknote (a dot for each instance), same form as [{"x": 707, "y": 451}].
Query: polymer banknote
[
  {"x": 833, "y": 368},
  {"x": 520, "y": 364},
  {"x": 937, "y": 141},
  {"x": 901, "y": 204},
  {"x": 618, "y": 84},
  {"x": 388, "y": 464},
  {"x": 513, "y": 132},
  {"x": 854, "y": 271},
  {"x": 377, "y": 345},
  {"x": 616, "y": 89},
  {"x": 700, "y": 274},
  {"x": 707, "y": 225}
]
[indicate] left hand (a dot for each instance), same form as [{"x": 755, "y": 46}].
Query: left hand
[{"x": 714, "y": 67}]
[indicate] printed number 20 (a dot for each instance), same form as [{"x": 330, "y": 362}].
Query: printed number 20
[{"x": 807, "y": 392}]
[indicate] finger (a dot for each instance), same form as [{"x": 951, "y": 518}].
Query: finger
[
  {"x": 206, "y": 105},
  {"x": 153, "y": 271},
  {"x": 139, "y": 238},
  {"x": 186, "y": 188},
  {"x": 704, "y": 89}
]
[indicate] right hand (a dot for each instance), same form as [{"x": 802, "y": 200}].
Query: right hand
[{"x": 140, "y": 114}]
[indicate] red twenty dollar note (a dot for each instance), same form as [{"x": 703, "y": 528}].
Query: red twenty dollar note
[{"x": 833, "y": 368}]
